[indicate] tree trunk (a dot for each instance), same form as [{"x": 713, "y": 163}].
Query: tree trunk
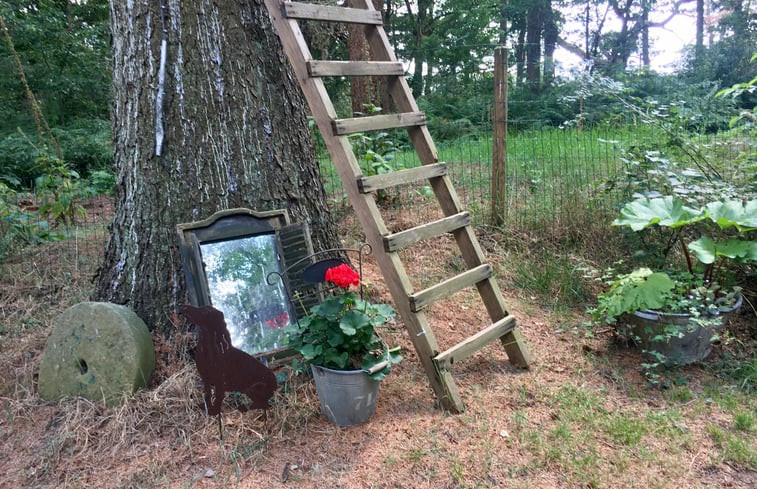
[
  {"x": 503, "y": 18},
  {"x": 534, "y": 23},
  {"x": 235, "y": 135},
  {"x": 699, "y": 44},
  {"x": 645, "y": 58},
  {"x": 551, "y": 33},
  {"x": 520, "y": 57},
  {"x": 364, "y": 90},
  {"x": 424, "y": 27}
]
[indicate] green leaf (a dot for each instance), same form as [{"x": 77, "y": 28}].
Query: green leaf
[
  {"x": 330, "y": 308},
  {"x": 704, "y": 249},
  {"x": 394, "y": 356},
  {"x": 370, "y": 360},
  {"x": 664, "y": 211},
  {"x": 309, "y": 352},
  {"x": 707, "y": 250},
  {"x": 352, "y": 321},
  {"x": 335, "y": 338},
  {"x": 385, "y": 310},
  {"x": 333, "y": 358},
  {"x": 638, "y": 290},
  {"x": 733, "y": 213}
]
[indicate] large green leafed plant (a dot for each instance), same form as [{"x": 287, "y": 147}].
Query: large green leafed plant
[{"x": 724, "y": 240}]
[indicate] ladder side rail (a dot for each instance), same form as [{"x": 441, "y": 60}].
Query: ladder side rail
[
  {"x": 419, "y": 135},
  {"x": 442, "y": 187}
]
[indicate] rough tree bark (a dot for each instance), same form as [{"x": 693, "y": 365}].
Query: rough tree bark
[{"x": 235, "y": 135}]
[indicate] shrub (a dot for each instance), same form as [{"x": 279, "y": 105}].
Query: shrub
[{"x": 86, "y": 147}]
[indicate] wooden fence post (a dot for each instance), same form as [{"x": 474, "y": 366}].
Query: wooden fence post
[{"x": 499, "y": 137}]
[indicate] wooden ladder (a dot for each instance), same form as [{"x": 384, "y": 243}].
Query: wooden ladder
[{"x": 361, "y": 190}]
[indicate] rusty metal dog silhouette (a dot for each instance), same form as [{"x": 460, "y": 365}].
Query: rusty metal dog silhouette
[{"x": 224, "y": 368}]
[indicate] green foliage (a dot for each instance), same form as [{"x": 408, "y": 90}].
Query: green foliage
[
  {"x": 551, "y": 276},
  {"x": 744, "y": 421},
  {"x": 376, "y": 151},
  {"x": 86, "y": 147},
  {"x": 690, "y": 291},
  {"x": 746, "y": 118},
  {"x": 64, "y": 50},
  {"x": 339, "y": 333},
  {"x": 741, "y": 371},
  {"x": 636, "y": 291},
  {"x": 19, "y": 228},
  {"x": 57, "y": 190},
  {"x": 734, "y": 448},
  {"x": 670, "y": 212},
  {"x": 665, "y": 212},
  {"x": 101, "y": 182}
]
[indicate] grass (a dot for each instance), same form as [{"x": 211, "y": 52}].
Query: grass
[{"x": 544, "y": 169}]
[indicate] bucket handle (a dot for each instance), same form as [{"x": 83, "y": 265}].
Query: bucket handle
[{"x": 376, "y": 368}]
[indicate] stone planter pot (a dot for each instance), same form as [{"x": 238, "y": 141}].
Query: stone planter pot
[
  {"x": 347, "y": 397},
  {"x": 676, "y": 336}
]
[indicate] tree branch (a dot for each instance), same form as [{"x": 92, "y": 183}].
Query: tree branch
[{"x": 571, "y": 48}]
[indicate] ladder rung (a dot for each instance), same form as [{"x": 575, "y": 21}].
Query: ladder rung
[
  {"x": 467, "y": 347},
  {"x": 378, "y": 122},
  {"x": 403, "y": 239},
  {"x": 450, "y": 286},
  {"x": 318, "y": 68},
  {"x": 309, "y": 11},
  {"x": 400, "y": 177}
]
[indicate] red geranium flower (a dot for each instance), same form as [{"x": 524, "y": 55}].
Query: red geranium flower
[{"x": 342, "y": 276}]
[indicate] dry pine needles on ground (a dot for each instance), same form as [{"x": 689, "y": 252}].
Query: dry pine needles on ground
[{"x": 581, "y": 417}]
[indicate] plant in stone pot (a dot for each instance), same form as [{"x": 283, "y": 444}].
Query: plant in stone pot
[
  {"x": 674, "y": 312},
  {"x": 338, "y": 340}
]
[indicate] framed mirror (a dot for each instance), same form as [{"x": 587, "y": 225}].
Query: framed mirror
[{"x": 227, "y": 259}]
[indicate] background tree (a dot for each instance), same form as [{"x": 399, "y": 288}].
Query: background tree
[
  {"x": 63, "y": 49},
  {"x": 364, "y": 90},
  {"x": 734, "y": 40},
  {"x": 412, "y": 30},
  {"x": 220, "y": 124},
  {"x": 611, "y": 49}
]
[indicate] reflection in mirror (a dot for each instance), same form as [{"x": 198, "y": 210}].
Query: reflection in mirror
[{"x": 256, "y": 313}]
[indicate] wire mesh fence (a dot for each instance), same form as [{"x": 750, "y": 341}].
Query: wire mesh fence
[
  {"x": 554, "y": 177},
  {"x": 556, "y": 181}
]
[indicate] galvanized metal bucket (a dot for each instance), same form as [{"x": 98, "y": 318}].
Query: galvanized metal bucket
[{"x": 347, "y": 397}]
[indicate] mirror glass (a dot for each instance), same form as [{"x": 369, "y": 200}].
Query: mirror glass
[{"x": 256, "y": 313}]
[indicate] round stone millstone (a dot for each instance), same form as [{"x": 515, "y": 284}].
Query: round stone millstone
[{"x": 97, "y": 350}]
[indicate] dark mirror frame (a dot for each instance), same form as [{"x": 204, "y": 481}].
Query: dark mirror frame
[{"x": 222, "y": 226}]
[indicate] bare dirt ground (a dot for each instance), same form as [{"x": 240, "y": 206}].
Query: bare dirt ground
[{"x": 581, "y": 416}]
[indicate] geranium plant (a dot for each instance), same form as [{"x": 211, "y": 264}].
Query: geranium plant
[{"x": 339, "y": 333}]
